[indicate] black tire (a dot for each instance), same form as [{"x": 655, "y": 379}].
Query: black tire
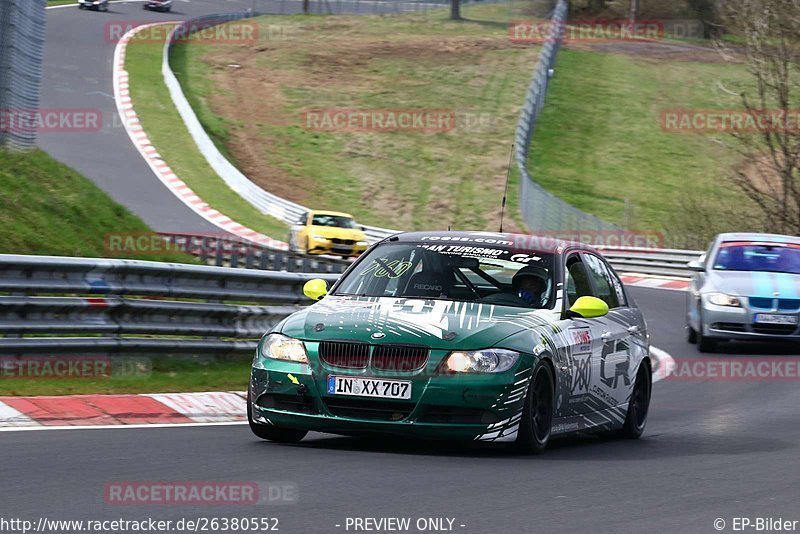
[
  {"x": 691, "y": 334},
  {"x": 704, "y": 343},
  {"x": 639, "y": 404},
  {"x": 273, "y": 433},
  {"x": 168, "y": 9},
  {"x": 537, "y": 416}
]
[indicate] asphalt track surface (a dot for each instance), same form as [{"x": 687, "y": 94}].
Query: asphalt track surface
[{"x": 711, "y": 450}]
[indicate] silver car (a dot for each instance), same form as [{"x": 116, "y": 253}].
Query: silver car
[{"x": 747, "y": 286}]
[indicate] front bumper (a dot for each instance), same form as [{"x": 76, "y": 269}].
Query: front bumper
[
  {"x": 740, "y": 323},
  {"x": 457, "y": 407},
  {"x": 339, "y": 247}
]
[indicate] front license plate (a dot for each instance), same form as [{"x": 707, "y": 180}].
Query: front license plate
[
  {"x": 769, "y": 318},
  {"x": 369, "y": 387}
]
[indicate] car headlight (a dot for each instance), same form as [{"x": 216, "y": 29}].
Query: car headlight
[
  {"x": 721, "y": 299},
  {"x": 280, "y": 347},
  {"x": 481, "y": 361},
  {"x": 320, "y": 237}
]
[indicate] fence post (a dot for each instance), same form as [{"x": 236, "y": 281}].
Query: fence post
[{"x": 22, "y": 35}]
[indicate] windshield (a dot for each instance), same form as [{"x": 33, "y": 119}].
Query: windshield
[
  {"x": 767, "y": 257},
  {"x": 336, "y": 221},
  {"x": 485, "y": 274}
]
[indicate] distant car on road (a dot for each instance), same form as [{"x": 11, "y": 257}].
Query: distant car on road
[
  {"x": 97, "y": 5},
  {"x": 459, "y": 335},
  {"x": 327, "y": 232},
  {"x": 158, "y": 5},
  {"x": 747, "y": 286}
]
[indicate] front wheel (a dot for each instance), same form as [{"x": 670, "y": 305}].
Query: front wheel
[
  {"x": 273, "y": 433},
  {"x": 705, "y": 343},
  {"x": 639, "y": 404},
  {"x": 537, "y": 416},
  {"x": 691, "y": 334}
]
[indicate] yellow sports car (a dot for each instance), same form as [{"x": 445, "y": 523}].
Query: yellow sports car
[{"x": 327, "y": 232}]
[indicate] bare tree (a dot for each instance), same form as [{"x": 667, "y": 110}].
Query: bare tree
[{"x": 770, "y": 31}]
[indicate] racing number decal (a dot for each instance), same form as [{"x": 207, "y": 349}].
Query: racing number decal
[
  {"x": 583, "y": 373},
  {"x": 385, "y": 268}
]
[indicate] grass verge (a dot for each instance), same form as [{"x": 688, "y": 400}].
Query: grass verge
[
  {"x": 47, "y": 208},
  {"x": 165, "y": 128},
  {"x": 252, "y": 99},
  {"x": 600, "y": 146},
  {"x": 167, "y": 375}
]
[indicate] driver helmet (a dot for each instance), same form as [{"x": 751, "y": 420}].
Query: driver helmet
[{"x": 530, "y": 271}]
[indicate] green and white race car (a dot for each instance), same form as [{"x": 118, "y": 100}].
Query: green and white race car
[{"x": 462, "y": 336}]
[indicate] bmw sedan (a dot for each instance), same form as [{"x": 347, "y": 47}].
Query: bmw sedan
[
  {"x": 458, "y": 335},
  {"x": 746, "y": 286}
]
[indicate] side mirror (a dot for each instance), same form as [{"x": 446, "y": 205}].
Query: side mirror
[
  {"x": 588, "y": 308},
  {"x": 363, "y": 228},
  {"x": 315, "y": 289},
  {"x": 696, "y": 265}
]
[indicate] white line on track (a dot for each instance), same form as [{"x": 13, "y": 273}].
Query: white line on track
[
  {"x": 666, "y": 364},
  {"x": 116, "y": 427}
]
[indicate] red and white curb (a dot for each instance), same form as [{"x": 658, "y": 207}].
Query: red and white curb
[
  {"x": 152, "y": 410},
  {"x": 102, "y": 411},
  {"x": 654, "y": 282},
  {"x": 160, "y": 168}
]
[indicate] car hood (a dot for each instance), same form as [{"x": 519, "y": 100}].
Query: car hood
[
  {"x": 332, "y": 232},
  {"x": 755, "y": 284},
  {"x": 434, "y": 323}
]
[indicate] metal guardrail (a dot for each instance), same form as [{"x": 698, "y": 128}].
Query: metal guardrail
[
  {"x": 139, "y": 306},
  {"x": 657, "y": 262},
  {"x": 541, "y": 210},
  {"x": 22, "y": 35},
  {"x": 223, "y": 251},
  {"x": 79, "y": 305}
]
